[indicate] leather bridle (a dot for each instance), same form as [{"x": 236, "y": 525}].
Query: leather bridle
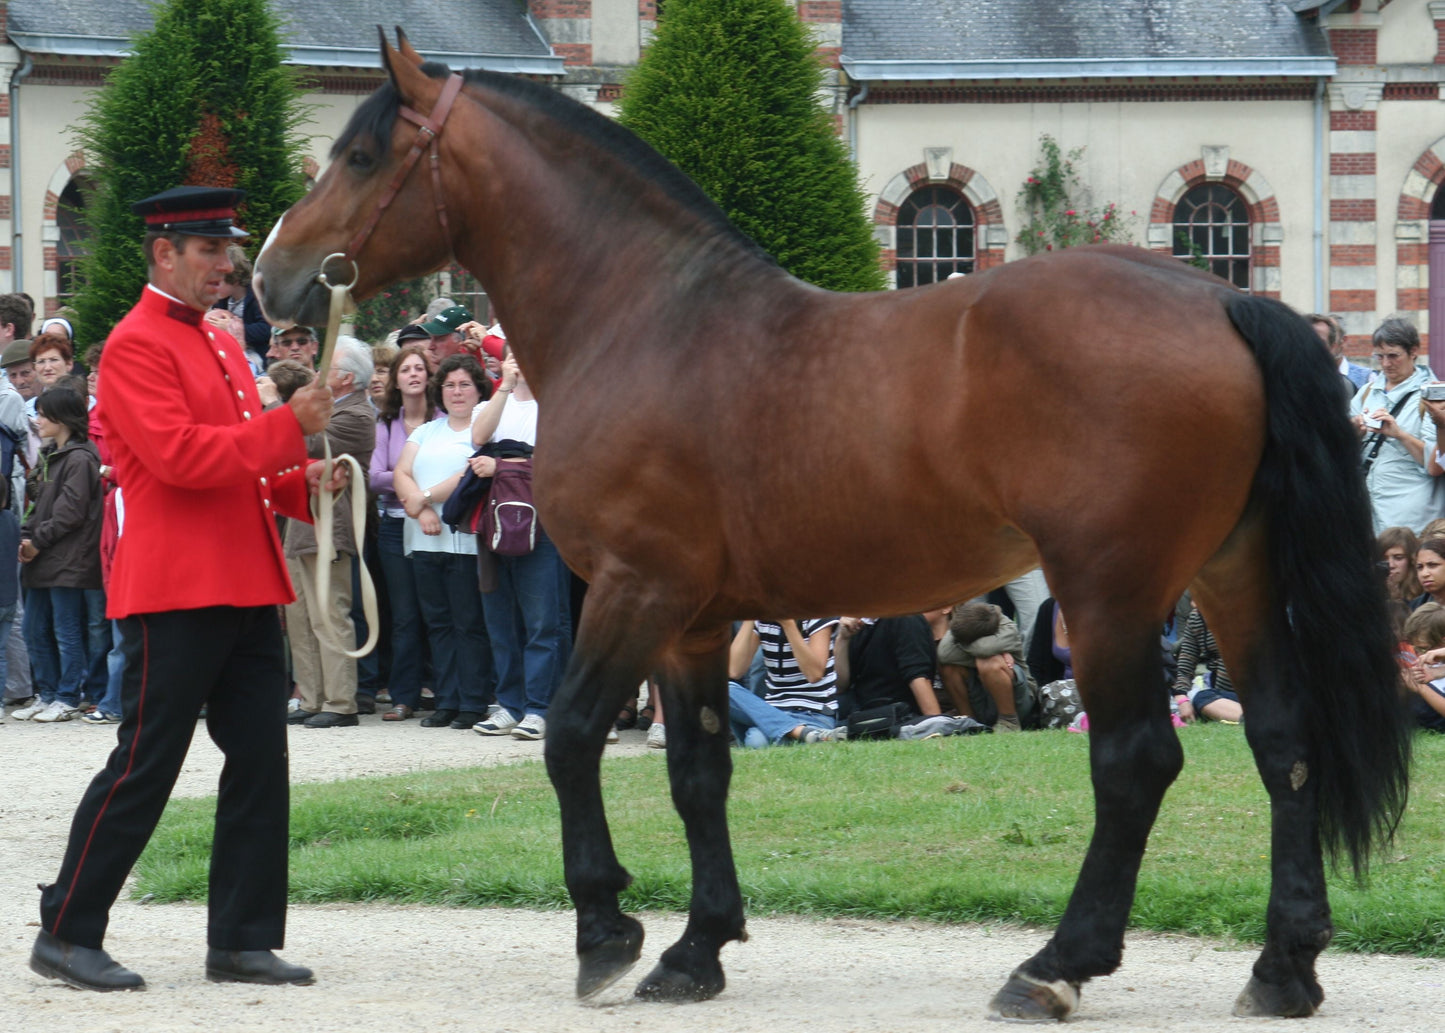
[{"x": 429, "y": 129}]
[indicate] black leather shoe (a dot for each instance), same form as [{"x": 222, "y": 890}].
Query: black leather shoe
[
  {"x": 254, "y": 967},
  {"x": 365, "y": 704},
  {"x": 325, "y": 719},
  {"x": 466, "y": 718},
  {"x": 439, "y": 719},
  {"x": 87, "y": 968},
  {"x": 299, "y": 717}
]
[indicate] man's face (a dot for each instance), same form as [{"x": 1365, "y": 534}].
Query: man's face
[
  {"x": 196, "y": 275},
  {"x": 340, "y": 382},
  {"x": 295, "y": 344},
  {"x": 22, "y": 378},
  {"x": 1323, "y": 332},
  {"x": 442, "y": 345}
]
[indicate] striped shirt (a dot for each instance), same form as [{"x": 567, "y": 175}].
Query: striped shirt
[{"x": 785, "y": 686}]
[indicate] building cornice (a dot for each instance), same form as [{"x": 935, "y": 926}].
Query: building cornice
[
  {"x": 311, "y": 56},
  {"x": 1089, "y": 68}
]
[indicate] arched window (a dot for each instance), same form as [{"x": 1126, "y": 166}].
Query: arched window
[
  {"x": 74, "y": 243},
  {"x": 934, "y": 236},
  {"x": 1211, "y": 230}
]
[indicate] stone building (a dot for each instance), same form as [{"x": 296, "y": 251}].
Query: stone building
[{"x": 1299, "y": 144}]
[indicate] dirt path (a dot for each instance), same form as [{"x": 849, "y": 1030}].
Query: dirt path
[{"x": 399, "y": 969}]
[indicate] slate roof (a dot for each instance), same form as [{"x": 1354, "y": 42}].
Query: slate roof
[
  {"x": 1115, "y": 37},
  {"x": 489, "y": 33}
]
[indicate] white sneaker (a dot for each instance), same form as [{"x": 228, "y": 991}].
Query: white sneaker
[
  {"x": 28, "y": 711},
  {"x": 612, "y": 736},
  {"x": 499, "y": 721},
  {"x": 56, "y": 711},
  {"x": 533, "y": 726},
  {"x": 657, "y": 736},
  {"x": 838, "y": 733}
]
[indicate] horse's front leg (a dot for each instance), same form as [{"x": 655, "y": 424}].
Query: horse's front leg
[
  {"x": 694, "y": 684},
  {"x": 1134, "y": 756},
  {"x": 611, "y": 657}
]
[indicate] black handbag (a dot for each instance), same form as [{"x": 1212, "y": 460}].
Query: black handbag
[{"x": 879, "y": 722}]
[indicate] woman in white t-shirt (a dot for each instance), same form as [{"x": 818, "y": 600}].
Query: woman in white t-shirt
[
  {"x": 527, "y": 616},
  {"x": 431, "y": 465}
]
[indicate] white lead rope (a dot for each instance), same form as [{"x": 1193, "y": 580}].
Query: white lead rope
[{"x": 324, "y": 505}]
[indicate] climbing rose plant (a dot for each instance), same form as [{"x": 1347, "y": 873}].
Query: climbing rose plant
[{"x": 1054, "y": 209}]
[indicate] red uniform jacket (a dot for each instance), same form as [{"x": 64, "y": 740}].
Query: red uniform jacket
[{"x": 203, "y": 466}]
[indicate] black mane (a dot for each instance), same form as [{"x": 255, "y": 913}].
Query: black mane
[{"x": 376, "y": 118}]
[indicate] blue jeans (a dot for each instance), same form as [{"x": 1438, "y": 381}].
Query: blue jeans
[
  {"x": 408, "y": 651},
  {"x": 757, "y": 723},
  {"x": 97, "y": 646},
  {"x": 114, "y": 674},
  {"x": 55, "y": 634},
  {"x": 529, "y": 624},
  {"x": 451, "y": 605}
]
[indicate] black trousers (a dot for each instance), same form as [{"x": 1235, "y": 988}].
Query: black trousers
[{"x": 232, "y": 661}]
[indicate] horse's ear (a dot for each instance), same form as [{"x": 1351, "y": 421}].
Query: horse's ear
[
  {"x": 386, "y": 54},
  {"x": 402, "y": 66},
  {"x": 407, "y": 50}
]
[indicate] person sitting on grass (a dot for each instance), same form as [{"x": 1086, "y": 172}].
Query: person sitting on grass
[
  {"x": 1208, "y": 693},
  {"x": 981, "y": 660},
  {"x": 1425, "y": 632},
  {"x": 800, "y": 692},
  {"x": 885, "y": 661}
]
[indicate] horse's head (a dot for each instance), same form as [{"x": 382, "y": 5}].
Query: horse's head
[{"x": 373, "y": 217}]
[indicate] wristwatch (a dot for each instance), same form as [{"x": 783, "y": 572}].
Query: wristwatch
[{"x": 426, "y": 494}]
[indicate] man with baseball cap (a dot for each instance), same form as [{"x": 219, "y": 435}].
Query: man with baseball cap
[
  {"x": 446, "y": 332},
  {"x": 197, "y": 579}
]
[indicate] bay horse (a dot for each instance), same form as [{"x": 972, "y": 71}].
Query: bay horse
[{"x": 721, "y": 441}]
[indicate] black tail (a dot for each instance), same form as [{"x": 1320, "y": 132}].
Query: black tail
[{"x": 1332, "y": 621}]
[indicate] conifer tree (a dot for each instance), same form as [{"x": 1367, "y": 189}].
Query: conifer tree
[
  {"x": 728, "y": 91},
  {"x": 202, "y": 100}
]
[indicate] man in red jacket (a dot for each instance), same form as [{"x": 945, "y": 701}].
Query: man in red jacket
[{"x": 197, "y": 577}]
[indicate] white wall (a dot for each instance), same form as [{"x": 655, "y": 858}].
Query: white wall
[{"x": 1130, "y": 149}]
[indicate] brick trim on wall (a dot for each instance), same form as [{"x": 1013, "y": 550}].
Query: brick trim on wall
[
  {"x": 989, "y": 236},
  {"x": 1412, "y": 235},
  {"x": 1265, "y": 229}
]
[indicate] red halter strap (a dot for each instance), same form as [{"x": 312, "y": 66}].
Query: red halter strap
[{"x": 428, "y": 130}]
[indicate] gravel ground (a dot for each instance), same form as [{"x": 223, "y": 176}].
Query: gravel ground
[{"x": 389, "y": 968}]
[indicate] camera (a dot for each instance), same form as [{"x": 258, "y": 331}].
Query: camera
[
  {"x": 1371, "y": 424},
  {"x": 1434, "y": 392}
]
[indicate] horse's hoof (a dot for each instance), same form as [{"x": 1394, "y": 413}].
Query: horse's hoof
[
  {"x": 1026, "y": 999},
  {"x": 665, "y": 983},
  {"x": 600, "y": 966},
  {"x": 1296, "y": 999}
]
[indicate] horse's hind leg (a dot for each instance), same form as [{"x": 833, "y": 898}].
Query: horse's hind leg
[
  {"x": 610, "y": 658},
  {"x": 1298, "y": 920},
  {"x": 1134, "y": 755},
  {"x": 694, "y": 682}
]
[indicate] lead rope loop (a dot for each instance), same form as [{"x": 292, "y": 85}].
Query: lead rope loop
[{"x": 323, "y": 506}]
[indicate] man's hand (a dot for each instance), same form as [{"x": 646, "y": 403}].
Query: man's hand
[
  {"x": 28, "y": 551},
  {"x": 312, "y": 406},
  {"x": 266, "y": 388},
  {"x": 340, "y": 477}
]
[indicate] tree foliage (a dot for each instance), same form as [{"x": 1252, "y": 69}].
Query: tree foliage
[
  {"x": 202, "y": 100},
  {"x": 1054, "y": 206},
  {"x": 728, "y": 91}
]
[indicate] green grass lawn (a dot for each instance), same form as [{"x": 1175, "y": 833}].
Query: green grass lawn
[{"x": 983, "y": 828}]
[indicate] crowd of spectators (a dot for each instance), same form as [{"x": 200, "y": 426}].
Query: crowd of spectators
[{"x": 476, "y": 636}]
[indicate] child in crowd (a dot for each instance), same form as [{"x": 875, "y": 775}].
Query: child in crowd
[{"x": 1425, "y": 677}]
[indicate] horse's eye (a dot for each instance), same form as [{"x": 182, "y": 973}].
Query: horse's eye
[{"x": 360, "y": 161}]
